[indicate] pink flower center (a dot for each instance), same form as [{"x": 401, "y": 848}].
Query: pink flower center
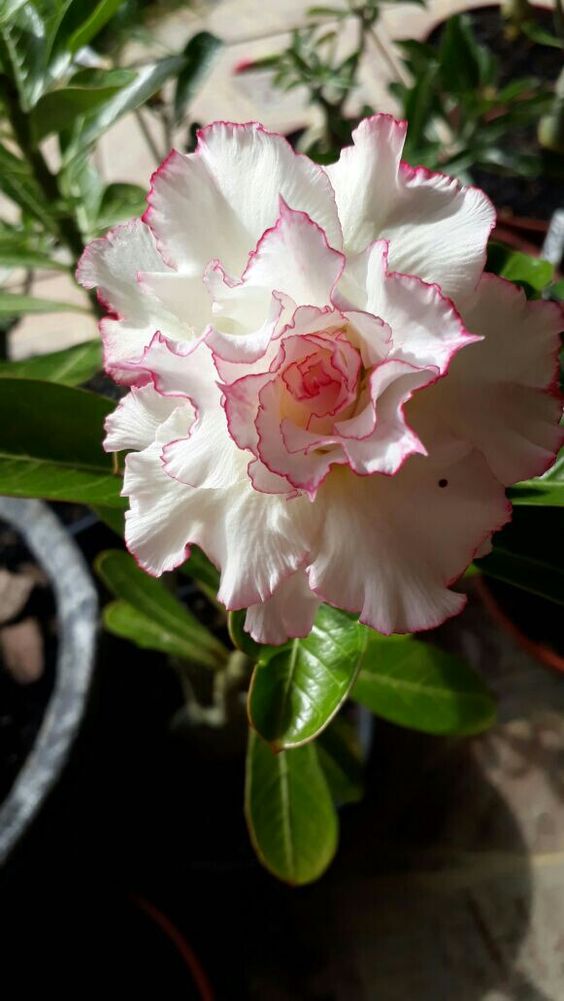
[{"x": 321, "y": 384}]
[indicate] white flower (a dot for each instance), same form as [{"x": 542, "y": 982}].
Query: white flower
[{"x": 328, "y": 395}]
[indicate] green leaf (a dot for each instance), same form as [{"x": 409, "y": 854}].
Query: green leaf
[
  {"x": 544, "y": 491},
  {"x": 201, "y": 569},
  {"x": 59, "y": 109},
  {"x": 119, "y": 202},
  {"x": 8, "y": 8},
  {"x": 70, "y": 367},
  {"x": 340, "y": 757},
  {"x": 29, "y": 259},
  {"x": 241, "y": 639},
  {"x": 533, "y": 270},
  {"x": 13, "y": 304},
  {"x": 82, "y": 23},
  {"x": 113, "y": 517},
  {"x": 161, "y": 621},
  {"x": 537, "y": 576},
  {"x": 290, "y": 814},
  {"x": 18, "y": 184},
  {"x": 460, "y": 57},
  {"x": 50, "y": 444},
  {"x": 298, "y": 688},
  {"x": 417, "y": 685},
  {"x": 200, "y": 53},
  {"x": 148, "y": 80}
]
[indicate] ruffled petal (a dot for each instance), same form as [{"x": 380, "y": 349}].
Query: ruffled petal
[
  {"x": 425, "y": 328},
  {"x": 218, "y": 201},
  {"x": 128, "y": 271},
  {"x": 287, "y": 614},
  {"x": 438, "y": 229},
  {"x": 500, "y": 394},
  {"x": 411, "y": 536},
  {"x": 137, "y": 419}
]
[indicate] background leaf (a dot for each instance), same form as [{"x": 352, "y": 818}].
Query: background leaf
[
  {"x": 200, "y": 53},
  {"x": 340, "y": 756},
  {"x": 70, "y": 367},
  {"x": 153, "y": 617},
  {"x": 417, "y": 685},
  {"x": 13, "y": 304},
  {"x": 290, "y": 814},
  {"x": 50, "y": 444}
]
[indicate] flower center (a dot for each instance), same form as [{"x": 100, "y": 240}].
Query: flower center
[{"x": 320, "y": 384}]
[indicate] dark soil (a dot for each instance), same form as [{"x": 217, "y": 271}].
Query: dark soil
[
  {"x": 22, "y": 706},
  {"x": 533, "y": 197}
]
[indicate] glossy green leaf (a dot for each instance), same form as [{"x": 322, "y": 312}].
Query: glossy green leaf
[
  {"x": 537, "y": 576},
  {"x": 50, "y": 444},
  {"x": 297, "y": 689},
  {"x": 13, "y": 304},
  {"x": 200, "y": 53},
  {"x": 290, "y": 814},
  {"x": 417, "y": 685},
  {"x": 340, "y": 756},
  {"x": 169, "y": 625},
  {"x": 459, "y": 57},
  {"x": 70, "y": 367}
]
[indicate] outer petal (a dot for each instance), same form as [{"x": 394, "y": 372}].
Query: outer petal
[
  {"x": 411, "y": 535},
  {"x": 288, "y": 613},
  {"x": 437, "y": 228},
  {"x": 112, "y": 264},
  {"x": 137, "y": 418},
  {"x": 217, "y": 202},
  {"x": 426, "y": 329},
  {"x": 497, "y": 394}
]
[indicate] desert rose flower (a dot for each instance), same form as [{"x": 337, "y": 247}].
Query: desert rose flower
[{"x": 328, "y": 395}]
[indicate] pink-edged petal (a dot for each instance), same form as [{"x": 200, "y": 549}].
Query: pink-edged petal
[
  {"x": 289, "y": 613},
  {"x": 426, "y": 329},
  {"x": 267, "y": 482},
  {"x": 241, "y": 406},
  {"x": 294, "y": 257},
  {"x": 111, "y": 264},
  {"x": 438, "y": 228},
  {"x": 137, "y": 418},
  {"x": 255, "y": 539},
  {"x": 234, "y": 350},
  {"x": 304, "y": 471},
  {"x": 499, "y": 393},
  {"x": 391, "y": 439},
  {"x": 217, "y": 202},
  {"x": 411, "y": 536}
]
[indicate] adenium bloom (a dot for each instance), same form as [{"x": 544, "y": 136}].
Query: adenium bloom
[{"x": 328, "y": 394}]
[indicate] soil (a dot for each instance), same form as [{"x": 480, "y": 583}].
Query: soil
[
  {"x": 536, "y": 197},
  {"x": 23, "y": 705}
]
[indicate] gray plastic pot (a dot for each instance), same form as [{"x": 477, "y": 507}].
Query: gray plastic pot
[{"x": 77, "y": 608}]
